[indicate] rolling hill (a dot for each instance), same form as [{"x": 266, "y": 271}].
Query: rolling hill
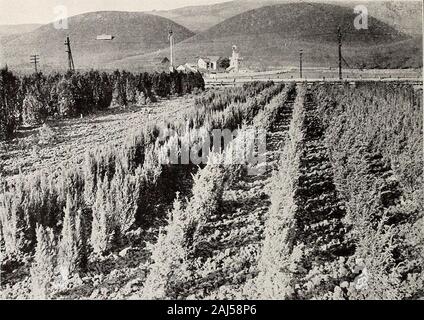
[
  {"x": 201, "y": 18},
  {"x": 405, "y": 16},
  {"x": 271, "y": 36},
  {"x": 7, "y": 30},
  {"x": 134, "y": 33}
]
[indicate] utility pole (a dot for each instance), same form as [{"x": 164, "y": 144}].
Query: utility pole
[
  {"x": 301, "y": 63},
  {"x": 171, "y": 44},
  {"x": 339, "y": 36},
  {"x": 71, "y": 65},
  {"x": 34, "y": 60}
]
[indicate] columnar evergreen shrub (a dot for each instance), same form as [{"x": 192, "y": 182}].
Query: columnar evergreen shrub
[
  {"x": 170, "y": 267},
  {"x": 42, "y": 269},
  {"x": 67, "y": 258},
  {"x": 124, "y": 195},
  {"x": 66, "y": 99},
  {"x": 16, "y": 221},
  {"x": 102, "y": 229}
]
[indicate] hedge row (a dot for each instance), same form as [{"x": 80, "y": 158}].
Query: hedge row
[{"x": 32, "y": 99}]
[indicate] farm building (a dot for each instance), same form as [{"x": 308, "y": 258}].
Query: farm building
[
  {"x": 208, "y": 63},
  {"x": 188, "y": 67},
  {"x": 105, "y": 37}
]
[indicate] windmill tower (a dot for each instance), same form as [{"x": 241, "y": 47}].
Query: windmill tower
[
  {"x": 235, "y": 60},
  {"x": 171, "y": 46}
]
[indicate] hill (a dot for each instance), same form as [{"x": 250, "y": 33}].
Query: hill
[
  {"x": 405, "y": 16},
  {"x": 134, "y": 33},
  {"x": 7, "y": 30},
  {"x": 272, "y": 36},
  {"x": 201, "y": 18}
]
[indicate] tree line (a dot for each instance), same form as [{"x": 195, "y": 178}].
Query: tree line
[{"x": 31, "y": 99}]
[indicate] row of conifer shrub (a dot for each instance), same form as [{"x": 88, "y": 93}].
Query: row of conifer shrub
[
  {"x": 278, "y": 261},
  {"x": 290, "y": 267},
  {"x": 80, "y": 211},
  {"x": 178, "y": 251},
  {"x": 32, "y": 99},
  {"x": 218, "y": 100},
  {"x": 384, "y": 209},
  {"x": 366, "y": 125}
]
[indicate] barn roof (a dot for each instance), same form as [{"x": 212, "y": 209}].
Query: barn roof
[{"x": 210, "y": 58}]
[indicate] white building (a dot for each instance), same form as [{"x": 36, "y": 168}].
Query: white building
[
  {"x": 208, "y": 63},
  {"x": 105, "y": 37},
  {"x": 188, "y": 67}
]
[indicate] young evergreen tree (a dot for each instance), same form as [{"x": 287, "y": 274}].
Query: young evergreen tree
[
  {"x": 42, "y": 269},
  {"x": 68, "y": 245},
  {"x": 102, "y": 227}
]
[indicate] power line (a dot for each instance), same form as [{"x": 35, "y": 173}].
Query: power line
[
  {"x": 301, "y": 63},
  {"x": 71, "y": 65},
  {"x": 339, "y": 36},
  {"x": 34, "y": 60}
]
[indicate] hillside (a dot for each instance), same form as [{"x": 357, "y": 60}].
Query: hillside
[
  {"x": 302, "y": 21},
  {"x": 134, "y": 33},
  {"x": 201, "y": 18},
  {"x": 404, "y": 16},
  {"x": 272, "y": 36},
  {"x": 7, "y": 30}
]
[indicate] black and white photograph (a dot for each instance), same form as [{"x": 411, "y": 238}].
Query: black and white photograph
[{"x": 211, "y": 150}]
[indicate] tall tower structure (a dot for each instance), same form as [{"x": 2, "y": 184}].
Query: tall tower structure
[
  {"x": 171, "y": 46},
  {"x": 235, "y": 60}
]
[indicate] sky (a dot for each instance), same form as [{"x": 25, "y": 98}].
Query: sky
[{"x": 42, "y": 11}]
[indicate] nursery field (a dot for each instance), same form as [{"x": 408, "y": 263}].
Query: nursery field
[
  {"x": 327, "y": 204},
  {"x": 61, "y": 141}
]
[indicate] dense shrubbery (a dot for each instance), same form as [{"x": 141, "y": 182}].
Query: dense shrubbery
[
  {"x": 93, "y": 209},
  {"x": 278, "y": 263},
  {"x": 9, "y": 102},
  {"x": 218, "y": 100},
  {"x": 175, "y": 251},
  {"x": 355, "y": 159},
  {"x": 32, "y": 99},
  {"x": 230, "y": 111},
  {"x": 370, "y": 137},
  {"x": 374, "y": 134}
]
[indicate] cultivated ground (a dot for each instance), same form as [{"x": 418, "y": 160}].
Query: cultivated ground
[
  {"x": 325, "y": 205},
  {"x": 67, "y": 141}
]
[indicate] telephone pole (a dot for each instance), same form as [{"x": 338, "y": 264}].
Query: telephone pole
[
  {"x": 71, "y": 65},
  {"x": 339, "y": 36},
  {"x": 34, "y": 60},
  {"x": 301, "y": 63}
]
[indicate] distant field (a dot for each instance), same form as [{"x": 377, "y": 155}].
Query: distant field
[{"x": 314, "y": 74}]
